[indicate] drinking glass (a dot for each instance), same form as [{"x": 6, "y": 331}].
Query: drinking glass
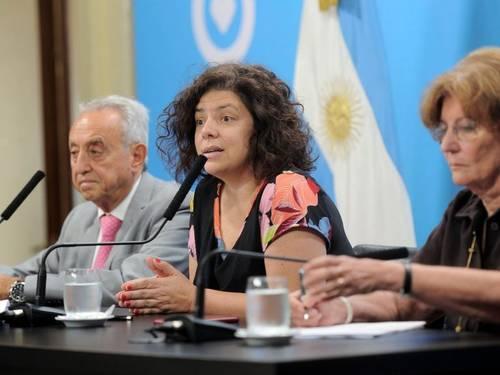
[
  {"x": 82, "y": 293},
  {"x": 267, "y": 306}
]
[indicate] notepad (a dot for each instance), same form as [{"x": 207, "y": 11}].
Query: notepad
[{"x": 357, "y": 330}]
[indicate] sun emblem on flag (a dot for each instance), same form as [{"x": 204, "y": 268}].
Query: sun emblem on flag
[
  {"x": 324, "y": 5},
  {"x": 342, "y": 119}
]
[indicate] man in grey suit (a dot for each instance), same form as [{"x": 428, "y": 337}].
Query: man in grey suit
[{"x": 108, "y": 152}]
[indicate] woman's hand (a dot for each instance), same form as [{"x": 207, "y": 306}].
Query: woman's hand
[
  {"x": 328, "y": 277},
  {"x": 324, "y": 313},
  {"x": 299, "y": 311},
  {"x": 168, "y": 291}
]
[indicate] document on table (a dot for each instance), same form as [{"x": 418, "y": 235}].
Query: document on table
[
  {"x": 4, "y": 304},
  {"x": 357, "y": 330}
]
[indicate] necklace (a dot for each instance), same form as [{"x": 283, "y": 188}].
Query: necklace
[{"x": 471, "y": 250}]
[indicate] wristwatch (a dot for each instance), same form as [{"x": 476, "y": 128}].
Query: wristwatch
[{"x": 16, "y": 292}]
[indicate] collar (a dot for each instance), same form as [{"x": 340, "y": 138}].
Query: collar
[
  {"x": 120, "y": 210},
  {"x": 472, "y": 208}
]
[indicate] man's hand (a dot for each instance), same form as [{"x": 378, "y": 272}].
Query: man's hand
[{"x": 5, "y": 284}]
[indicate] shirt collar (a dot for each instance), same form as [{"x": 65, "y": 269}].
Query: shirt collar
[
  {"x": 473, "y": 210},
  {"x": 120, "y": 210}
]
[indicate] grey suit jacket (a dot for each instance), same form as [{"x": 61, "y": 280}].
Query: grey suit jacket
[{"x": 142, "y": 219}]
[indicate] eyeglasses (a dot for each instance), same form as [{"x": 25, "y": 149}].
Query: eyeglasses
[{"x": 465, "y": 130}]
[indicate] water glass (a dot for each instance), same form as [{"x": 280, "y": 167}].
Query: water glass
[
  {"x": 267, "y": 306},
  {"x": 82, "y": 293}
]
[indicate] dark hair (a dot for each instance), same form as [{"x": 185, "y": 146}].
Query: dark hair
[{"x": 281, "y": 137}]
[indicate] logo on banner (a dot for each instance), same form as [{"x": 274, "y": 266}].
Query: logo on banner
[{"x": 223, "y": 14}]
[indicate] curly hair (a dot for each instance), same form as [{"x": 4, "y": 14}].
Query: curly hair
[
  {"x": 281, "y": 138},
  {"x": 475, "y": 82}
]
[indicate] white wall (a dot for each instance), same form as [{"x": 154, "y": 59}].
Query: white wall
[
  {"x": 101, "y": 63},
  {"x": 100, "y": 48},
  {"x": 21, "y": 137}
]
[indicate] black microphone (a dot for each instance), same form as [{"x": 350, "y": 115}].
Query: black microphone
[
  {"x": 192, "y": 327},
  {"x": 23, "y": 194},
  {"x": 172, "y": 208},
  {"x": 383, "y": 252}
]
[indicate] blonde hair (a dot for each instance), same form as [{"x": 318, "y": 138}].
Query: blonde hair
[{"x": 474, "y": 82}]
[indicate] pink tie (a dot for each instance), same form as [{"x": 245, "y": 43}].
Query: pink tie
[{"x": 109, "y": 228}]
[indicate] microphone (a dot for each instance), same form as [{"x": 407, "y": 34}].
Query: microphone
[
  {"x": 37, "y": 314},
  {"x": 23, "y": 194},
  {"x": 169, "y": 214},
  {"x": 192, "y": 327},
  {"x": 383, "y": 252},
  {"x": 172, "y": 208}
]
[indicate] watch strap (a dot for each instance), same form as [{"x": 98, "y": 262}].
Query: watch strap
[{"x": 407, "y": 281}]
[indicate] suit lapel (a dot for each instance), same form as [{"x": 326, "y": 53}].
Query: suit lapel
[
  {"x": 90, "y": 233},
  {"x": 137, "y": 204}
]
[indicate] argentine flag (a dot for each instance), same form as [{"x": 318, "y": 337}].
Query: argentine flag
[{"x": 369, "y": 192}]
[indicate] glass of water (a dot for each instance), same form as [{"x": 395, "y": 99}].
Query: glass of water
[
  {"x": 267, "y": 306},
  {"x": 82, "y": 293}
]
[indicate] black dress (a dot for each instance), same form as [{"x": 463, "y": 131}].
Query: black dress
[{"x": 286, "y": 202}]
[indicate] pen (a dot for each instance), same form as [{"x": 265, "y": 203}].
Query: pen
[{"x": 303, "y": 292}]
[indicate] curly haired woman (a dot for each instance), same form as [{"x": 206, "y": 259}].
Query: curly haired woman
[{"x": 256, "y": 194}]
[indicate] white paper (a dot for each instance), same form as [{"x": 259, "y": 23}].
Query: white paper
[
  {"x": 357, "y": 330},
  {"x": 4, "y": 304}
]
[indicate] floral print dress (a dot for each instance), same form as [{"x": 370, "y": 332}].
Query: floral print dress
[{"x": 286, "y": 202}]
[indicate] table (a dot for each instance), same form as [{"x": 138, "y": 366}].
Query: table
[{"x": 107, "y": 350}]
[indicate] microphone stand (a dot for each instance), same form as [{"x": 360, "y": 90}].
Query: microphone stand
[
  {"x": 193, "y": 327},
  {"x": 42, "y": 314},
  {"x": 168, "y": 215},
  {"x": 200, "y": 291},
  {"x": 38, "y": 314},
  {"x": 41, "y": 281}
]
